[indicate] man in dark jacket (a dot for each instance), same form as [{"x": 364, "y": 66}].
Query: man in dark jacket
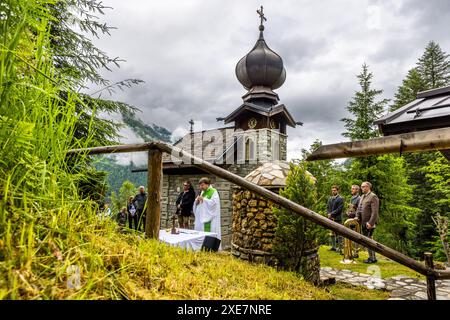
[
  {"x": 367, "y": 215},
  {"x": 184, "y": 204},
  {"x": 335, "y": 206},
  {"x": 140, "y": 201}
]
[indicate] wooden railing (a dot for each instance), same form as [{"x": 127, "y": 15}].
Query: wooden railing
[
  {"x": 427, "y": 140},
  {"x": 155, "y": 151}
]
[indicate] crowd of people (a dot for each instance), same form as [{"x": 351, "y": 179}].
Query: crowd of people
[
  {"x": 204, "y": 207},
  {"x": 364, "y": 208}
]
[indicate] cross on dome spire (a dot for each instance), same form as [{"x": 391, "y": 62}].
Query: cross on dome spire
[{"x": 260, "y": 12}]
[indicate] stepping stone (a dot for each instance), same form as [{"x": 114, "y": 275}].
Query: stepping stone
[
  {"x": 413, "y": 298},
  {"x": 390, "y": 288},
  {"x": 380, "y": 285},
  {"x": 412, "y": 288},
  {"x": 422, "y": 295},
  {"x": 401, "y": 283},
  {"x": 332, "y": 272},
  {"x": 359, "y": 279},
  {"x": 399, "y": 293},
  {"x": 409, "y": 280}
]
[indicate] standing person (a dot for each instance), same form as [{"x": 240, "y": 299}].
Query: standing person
[
  {"x": 185, "y": 203},
  {"x": 335, "y": 206},
  {"x": 354, "y": 201},
  {"x": 140, "y": 201},
  {"x": 207, "y": 208},
  {"x": 367, "y": 215},
  {"x": 351, "y": 213},
  {"x": 132, "y": 215}
]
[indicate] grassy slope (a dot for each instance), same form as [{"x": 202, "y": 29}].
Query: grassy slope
[
  {"x": 150, "y": 270},
  {"x": 388, "y": 268},
  {"x": 124, "y": 266},
  {"x": 117, "y": 266}
]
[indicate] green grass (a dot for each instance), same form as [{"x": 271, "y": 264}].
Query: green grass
[
  {"x": 112, "y": 265},
  {"x": 343, "y": 291},
  {"x": 387, "y": 267}
]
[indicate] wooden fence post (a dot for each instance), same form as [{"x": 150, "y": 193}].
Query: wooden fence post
[
  {"x": 431, "y": 285},
  {"x": 154, "y": 175}
]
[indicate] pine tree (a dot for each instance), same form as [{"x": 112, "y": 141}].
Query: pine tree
[
  {"x": 434, "y": 66},
  {"x": 407, "y": 92},
  {"x": 297, "y": 238},
  {"x": 365, "y": 109},
  {"x": 437, "y": 173},
  {"x": 386, "y": 173},
  {"x": 432, "y": 71}
]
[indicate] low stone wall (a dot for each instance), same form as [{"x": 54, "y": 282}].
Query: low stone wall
[{"x": 253, "y": 227}]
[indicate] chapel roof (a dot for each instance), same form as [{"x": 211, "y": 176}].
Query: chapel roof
[
  {"x": 207, "y": 144},
  {"x": 430, "y": 110}
]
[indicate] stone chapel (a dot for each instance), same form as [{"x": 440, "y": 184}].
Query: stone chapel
[{"x": 253, "y": 134}]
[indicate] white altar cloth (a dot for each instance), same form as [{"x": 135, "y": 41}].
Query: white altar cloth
[{"x": 187, "y": 239}]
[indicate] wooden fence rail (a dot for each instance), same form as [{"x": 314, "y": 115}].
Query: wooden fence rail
[
  {"x": 427, "y": 140},
  {"x": 156, "y": 149}
]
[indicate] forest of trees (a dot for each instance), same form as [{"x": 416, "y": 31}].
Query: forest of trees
[{"x": 414, "y": 189}]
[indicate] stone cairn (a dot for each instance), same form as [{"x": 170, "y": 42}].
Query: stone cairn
[{"x": 254, "y": 223}]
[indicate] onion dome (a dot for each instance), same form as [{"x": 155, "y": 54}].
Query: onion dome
[
  {"x": 261, "y": 70},
  {"x": 272, "y": 174},
  {"x": 261, "y": 66}
]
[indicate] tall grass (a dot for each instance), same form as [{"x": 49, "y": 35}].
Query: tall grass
[{"x": 40, "y": 208}]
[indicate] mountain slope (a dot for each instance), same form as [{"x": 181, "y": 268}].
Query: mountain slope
[{"x": 118, "y": 173}]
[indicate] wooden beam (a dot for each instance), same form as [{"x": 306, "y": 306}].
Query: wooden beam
[
  {"x": 431, "y": 285},
  {"x": 153, "y": 210},
  {"x": 113, "y": 149},
  {"x": 436, "y": 139},
  {"x": 298, "y": 209}
]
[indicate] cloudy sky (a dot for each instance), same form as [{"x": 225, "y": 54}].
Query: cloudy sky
[{"x": 186, "y": 52}]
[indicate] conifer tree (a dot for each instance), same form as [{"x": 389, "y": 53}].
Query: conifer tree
[
  {"x": 407, "y": 92},
  {"x": 365, "y": 108},
  {"x": 432, "y": 71},
  {"x": 386, "y": 173},
  {"x": 434, "y": 66}
]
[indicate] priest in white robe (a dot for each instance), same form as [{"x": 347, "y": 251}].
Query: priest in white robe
[{"x": 207, "y": 209}]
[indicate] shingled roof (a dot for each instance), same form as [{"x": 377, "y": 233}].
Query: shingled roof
[
  {"x": 269, "y": 112},
  {"x": 431, "y": 110},
  {"x": 210, "y": 145}
]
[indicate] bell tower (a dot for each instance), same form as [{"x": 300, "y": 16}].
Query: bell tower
[{"x": 260, "y": 121}]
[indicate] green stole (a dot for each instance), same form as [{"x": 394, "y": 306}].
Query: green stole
[{"x": 208, "y": 194}]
